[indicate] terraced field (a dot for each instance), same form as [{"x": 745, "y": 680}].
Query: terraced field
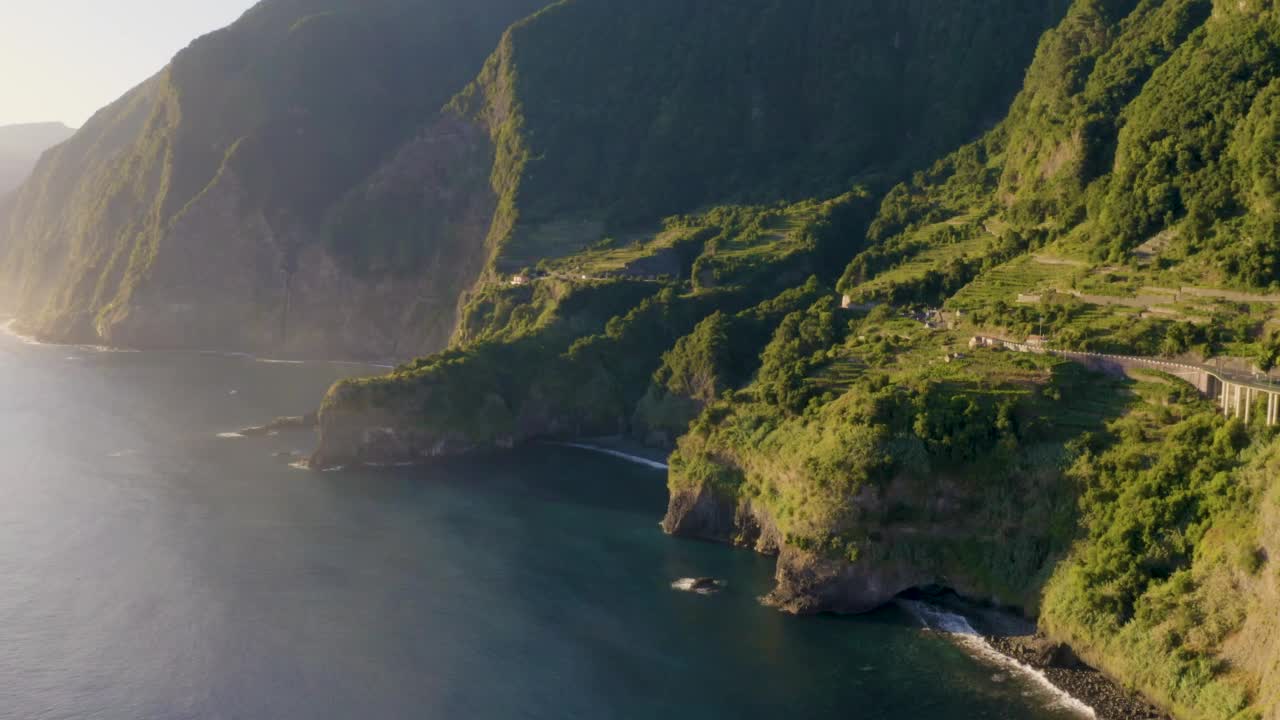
[
  {"x": 614, "y": 255},
  {"x": 1022, "y": 276},
  {"x": 839, "y": 376},
  {"x": 916, "y": 267}
]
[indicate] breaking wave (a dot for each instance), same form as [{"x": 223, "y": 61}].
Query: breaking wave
[{"x": 958, "y": 629}]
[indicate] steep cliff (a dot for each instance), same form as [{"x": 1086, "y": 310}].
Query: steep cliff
[
  {"x": 756, "y": 101},
  {"x": 211, "y": 206},
  {"x": 609, "y": 114}
]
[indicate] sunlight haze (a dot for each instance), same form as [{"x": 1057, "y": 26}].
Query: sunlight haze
[{"x": 62, "y": 60}]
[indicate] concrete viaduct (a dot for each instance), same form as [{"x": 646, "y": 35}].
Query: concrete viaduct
[{"x": 1235, "y": 395}]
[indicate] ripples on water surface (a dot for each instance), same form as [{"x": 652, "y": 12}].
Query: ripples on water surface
[{"x": 150, "y": 569}]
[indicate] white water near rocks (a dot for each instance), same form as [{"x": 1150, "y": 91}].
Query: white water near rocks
[
  {"x": 699, "y": 586},
  {"x": 9, "y": 327},
  {"x": 618, "y": 454},
  {"x": 958, "y": 628}
]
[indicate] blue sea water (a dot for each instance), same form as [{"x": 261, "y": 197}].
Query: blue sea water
[{"x": 150, "y": 569}]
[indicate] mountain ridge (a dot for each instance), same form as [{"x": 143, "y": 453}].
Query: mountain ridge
[
  {"x": 21, "y": 145},
  {"x": 761, "y": 235}
]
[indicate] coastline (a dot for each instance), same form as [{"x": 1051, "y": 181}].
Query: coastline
[
  {"x": 1108, "y": 699},
  {"x": 1084, "y": 689},
  {"x": 1016, "y": 643},
  {"x": 9, "y": 326}
]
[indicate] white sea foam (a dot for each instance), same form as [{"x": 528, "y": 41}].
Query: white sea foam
[
  {"x": 618, "y": 454},
  {"x": 104, "y": 349},
  {"x": 9, "y": 327},
  {"x": 692, "y": 585},
  {"x": 231, "y": 435},
  {"x": 957, "y": 628}
]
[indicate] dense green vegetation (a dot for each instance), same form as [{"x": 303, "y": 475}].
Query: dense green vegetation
[
  {"x": 639, "y": 219},
  {"x": 1169, "y": 505},
  {"x": 1124, "y": 204},
  {"x": 748, "y": 101}
]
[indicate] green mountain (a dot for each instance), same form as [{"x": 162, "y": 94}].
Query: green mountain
[
  {"x": 20, "y": 148},
  {"x": 301, "y": 182},
  {"x": 194, "y": 211},
  {"x": 1122, "y": 204},
  {"x": 763, "y": 235}
]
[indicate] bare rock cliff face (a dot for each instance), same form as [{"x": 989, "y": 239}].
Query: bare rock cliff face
[
  {"x": 224, "y": 278},
  {"x": 807, "y": 583}
]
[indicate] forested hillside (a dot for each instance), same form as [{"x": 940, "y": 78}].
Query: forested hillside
[
  {"x": 353, "y": 204},
  {"x": 1120, "y": 203},
  {"x": 761, "y": 235}
]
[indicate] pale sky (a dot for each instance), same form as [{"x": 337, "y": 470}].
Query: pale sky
[{"x": 65, "y": 59}]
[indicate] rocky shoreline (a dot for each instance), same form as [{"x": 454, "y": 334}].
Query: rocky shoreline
[
  {"x": 1013, "y": 636},
  {"x": 1109, "y": 700}
]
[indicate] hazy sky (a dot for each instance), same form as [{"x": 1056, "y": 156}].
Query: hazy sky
[{"x": 65, "y": 59}]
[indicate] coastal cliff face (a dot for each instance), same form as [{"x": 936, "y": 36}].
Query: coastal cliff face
[
  {"x": 222, "y": 277},
  {"x": 806, "y": 582},
  {"x": 881, "y": 491},
  {"x": 289, "y": 184}
]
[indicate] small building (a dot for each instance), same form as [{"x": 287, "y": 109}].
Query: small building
[{"x": 519, "y": 280}]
